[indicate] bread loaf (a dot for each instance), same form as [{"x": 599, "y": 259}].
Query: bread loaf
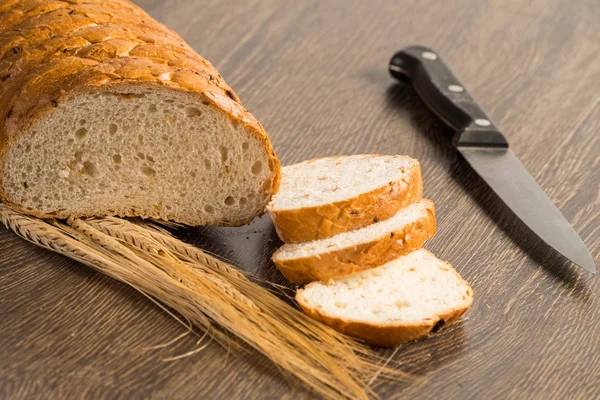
[
  {"x": 350, "y": 252},
  {"x": 323, "y": 197},
  {"x": 104, "y": 111},
  {"x": 403, "y": 300}
]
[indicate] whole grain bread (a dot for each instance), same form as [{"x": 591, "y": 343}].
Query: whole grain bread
[
  {"x": 350, "y": 252},
  {"x": 105, "y": 111},
  {"x": 323, "y": 197},
  {"x": 403, "y": 300}
]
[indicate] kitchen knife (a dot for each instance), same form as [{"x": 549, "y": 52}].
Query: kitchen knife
[{"x": 486, "y": 150}]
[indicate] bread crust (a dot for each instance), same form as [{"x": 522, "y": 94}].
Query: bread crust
[
  {"x": 53, "y": 50},
  {"x": 385, "y": 335},
  {"x": 327, "y": 220},
  {"x": 366, "y": 255},
  {"x": 389, "y": 334}
]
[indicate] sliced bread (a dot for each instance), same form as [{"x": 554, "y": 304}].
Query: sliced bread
[
  {"x": 403, "y": 300},
  {"x": 323, "y": 197},
  {"x": 104, "y": 111},
  {"x": 360, "y": 249}
]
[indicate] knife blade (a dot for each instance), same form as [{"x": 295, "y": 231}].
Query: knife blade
[{"x": 486, "y": 150}]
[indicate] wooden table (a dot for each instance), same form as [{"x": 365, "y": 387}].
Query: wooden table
[{"x": 315, "y": 74}]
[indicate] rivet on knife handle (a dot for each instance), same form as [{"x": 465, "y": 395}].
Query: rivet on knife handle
[{"x": 446, "y": 97}]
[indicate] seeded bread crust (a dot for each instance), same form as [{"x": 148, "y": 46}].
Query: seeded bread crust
[
  {"x": 390, "y": 334},
  {"x": 53, "y": 50},
  {"x": 327, "y": 220},
  {"x": 370, "y": 254}
]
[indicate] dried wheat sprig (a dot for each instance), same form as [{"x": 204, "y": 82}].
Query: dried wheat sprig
[
  {"x": 160, "y": 243},
  {"x": 126, "y": 231},
  {"x": 161, "y": 283},
  {"x": 167, "y": 269},
  {"x": 130, "y": 231},
  {"x": 56, "y": 239},
  {"x": 250, "y": 327}
]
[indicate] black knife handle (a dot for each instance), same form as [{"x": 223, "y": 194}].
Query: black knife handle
[{"x": 446, "y": 97}]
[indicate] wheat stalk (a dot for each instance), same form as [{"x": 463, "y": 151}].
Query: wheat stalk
[{"x": 214, "y": 296}]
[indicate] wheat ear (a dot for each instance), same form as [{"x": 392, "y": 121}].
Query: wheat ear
[{"x": 132, "y": 232}]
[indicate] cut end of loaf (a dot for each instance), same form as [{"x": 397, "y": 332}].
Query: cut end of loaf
[
  {"x": 140, "y": 150},
  {"x": 402, "y": 300}
]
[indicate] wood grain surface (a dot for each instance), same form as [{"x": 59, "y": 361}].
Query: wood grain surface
[{"x": 315, "y": 74}]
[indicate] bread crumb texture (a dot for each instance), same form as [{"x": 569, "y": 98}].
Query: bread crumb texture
[
  {"x": 155, "y": 153},
  {"x": 331, "y": 179}
]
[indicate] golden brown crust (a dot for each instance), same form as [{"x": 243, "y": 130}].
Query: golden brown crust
[
  {"x": 390, "y": 334},
  {"x": 366, "y": 255},
  {"x": 52, "y": 50},
  {"x": 320, "y": 222}
]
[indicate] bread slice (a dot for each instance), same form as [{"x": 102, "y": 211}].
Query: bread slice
[
  {"x": 360, "y": 249},
  {"x": 323, "y": 197},
  {"x": 104, "y": 111},
  {"x": 403, "y": 300}
]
